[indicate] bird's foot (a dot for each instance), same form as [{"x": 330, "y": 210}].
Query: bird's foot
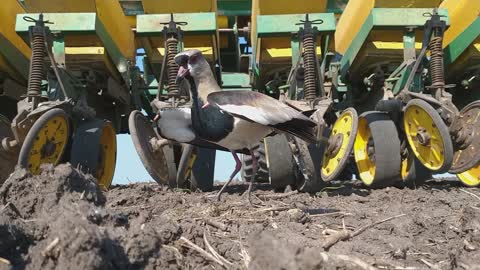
[
  {"x": 214, "y": 197},
  {"x": 250, "y": 196},
  {"x": 217, "y": 197}
]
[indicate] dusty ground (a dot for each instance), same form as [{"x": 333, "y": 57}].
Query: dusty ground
[{"x": 61, "y": 220}]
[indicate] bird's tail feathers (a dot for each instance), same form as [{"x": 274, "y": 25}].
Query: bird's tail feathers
[{"x": 312, "y": 135}]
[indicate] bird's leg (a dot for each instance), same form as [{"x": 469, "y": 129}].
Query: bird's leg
[
  {"x": 254, "y": 173},
  {"x": 238, "y": 166}
]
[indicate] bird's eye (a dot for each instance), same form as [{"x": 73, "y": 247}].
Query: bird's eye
[{"x": 192, "y": 58}]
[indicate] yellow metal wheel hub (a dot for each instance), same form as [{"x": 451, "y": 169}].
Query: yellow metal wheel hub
[
  {"x": 471, "y": 177},
  {"x": 49, "y": 144},
  {"x": 108, "y": 156},
  {"x": 340, "y": 143},
  {"x": 365, "y": 163},
  {"x": 428, "y": 136}
]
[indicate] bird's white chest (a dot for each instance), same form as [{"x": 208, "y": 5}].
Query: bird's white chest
[{"x": 245, "y": 134}]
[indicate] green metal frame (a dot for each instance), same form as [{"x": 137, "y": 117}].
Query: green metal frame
[
  {"x": 336, "y": 6},
  {"x": 198, "y": 23},
  {"x": 453, "y": 51},
  {"x": 151, "y": 25},
  {"x": 386, "y": 18},
  {"x": 78, "y": 24},
  {"x": 462, "y": 42},
  {"x": 282, "y": 25},
  {"x": 235, "y": 81},
  {"x": 131, "y": 8},
  {"x": 285, "y": 25},
  {"x": 224, "y": 7},
  {"x": 234, "y": 7}
]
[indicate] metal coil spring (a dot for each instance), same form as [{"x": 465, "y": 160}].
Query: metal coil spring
[
  {"x": 436, "y": 62},
  {"x": 309, "y": 65},
  {"x": 172, "y": 68},
  {"x": 36, "y": 66}
]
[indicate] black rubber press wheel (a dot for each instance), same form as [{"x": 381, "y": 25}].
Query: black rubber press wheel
[{"x": 377, "y": 150}]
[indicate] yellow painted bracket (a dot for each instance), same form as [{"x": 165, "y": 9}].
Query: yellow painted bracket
[
  {"x": 462, "y": 39},
  {"x": 462, "y": 14},
  {"x": 14, "y": 52}
]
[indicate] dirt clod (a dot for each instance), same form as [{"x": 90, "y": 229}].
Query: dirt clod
[{"x": 62, "y": 220}]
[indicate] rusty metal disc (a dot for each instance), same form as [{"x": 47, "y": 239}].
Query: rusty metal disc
[
  {"x": 466, "y": 134},
  {"x": 159, "y": 163},
  {"x": 308, "y": 158}
]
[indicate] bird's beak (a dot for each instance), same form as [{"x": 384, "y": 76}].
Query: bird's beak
[
  {"x": 181, "y": 59},
  {"x": 182, "y": 72}
]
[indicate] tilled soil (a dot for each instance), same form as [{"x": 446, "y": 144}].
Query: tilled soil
[{"x": 62, "y": 220}]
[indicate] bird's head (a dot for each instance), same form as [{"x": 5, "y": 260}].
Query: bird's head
[{"x": 193, "y": 63}]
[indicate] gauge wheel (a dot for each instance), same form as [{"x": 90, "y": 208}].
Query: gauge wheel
[
  {"x": 94, "y": 150},
  {"x": 46, "y": 141},
  {"x": 470, "y": 178},
  {"x": 340, "y": 144},
  {"x": 428, "y": 136},
  {"x": 413, "y": 173},
  {"x": 377, "y": 150}
]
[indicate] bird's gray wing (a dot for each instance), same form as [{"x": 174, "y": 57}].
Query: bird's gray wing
[{"x": 264, "y": 110}]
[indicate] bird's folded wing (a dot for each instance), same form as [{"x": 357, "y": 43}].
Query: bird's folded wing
[
  {"x": 254, "y": 106},
  {"x": 264, "y": 110},
  {"x": 176, "y": 124}
]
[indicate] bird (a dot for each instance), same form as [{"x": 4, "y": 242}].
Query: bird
[
  {"x": 236, "y": 119},
  {"x": 175, "y": 125}
]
